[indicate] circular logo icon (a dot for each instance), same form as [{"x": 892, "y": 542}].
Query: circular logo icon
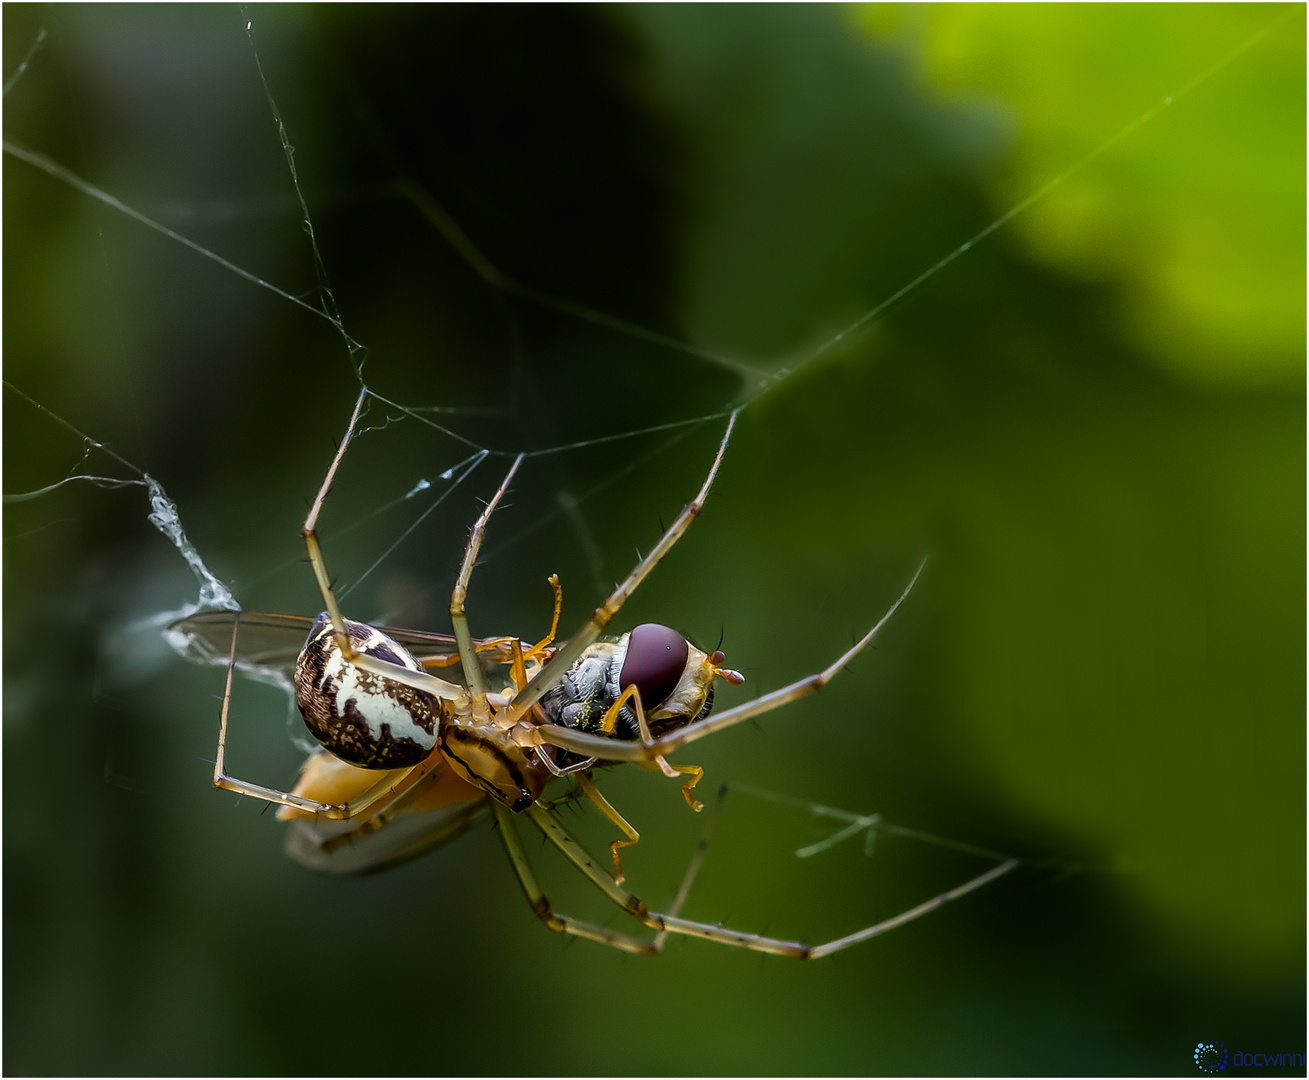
[{"x": 1210, "y": 1057}]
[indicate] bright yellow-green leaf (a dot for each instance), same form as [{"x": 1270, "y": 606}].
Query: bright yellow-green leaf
[{"x": 1196, "y": 217}]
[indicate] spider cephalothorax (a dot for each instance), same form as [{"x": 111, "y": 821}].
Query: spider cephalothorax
[{"x": 487, "y": 757}]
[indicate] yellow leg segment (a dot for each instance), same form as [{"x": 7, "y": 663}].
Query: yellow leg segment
[
  {"x": 541, "y": 645},
  {"x": 606, "y": 808}
]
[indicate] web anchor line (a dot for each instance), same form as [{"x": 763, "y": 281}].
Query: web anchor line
[{"x": 19, "y": 71}]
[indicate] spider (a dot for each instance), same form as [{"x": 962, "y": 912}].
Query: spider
[{"x": 410, "y": 760}]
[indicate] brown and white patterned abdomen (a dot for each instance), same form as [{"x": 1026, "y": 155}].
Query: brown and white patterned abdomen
[{"x": 362, "y": 718}]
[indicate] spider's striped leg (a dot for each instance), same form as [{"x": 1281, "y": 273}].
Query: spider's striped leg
[
  {"x": 671, "y": 923},
  {"x": 499, "y": 644},
  {"x": 580, "y": 742},
  {"x": 419, "y": 680},
  {"x": 563, "y": 659},
  {"x": 458, "y": 617},
  {"x": 518, "y": 651},
  {"x": 389, "y": 784},
  {"x": 310, "y": 532},
  {"x": 564, "y": 924}
]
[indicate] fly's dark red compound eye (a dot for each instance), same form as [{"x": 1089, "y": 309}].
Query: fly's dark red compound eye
[{"x": 656, "y": 658}]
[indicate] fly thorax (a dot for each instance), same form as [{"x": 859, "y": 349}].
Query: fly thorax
[{"x": 589, "y": 687}]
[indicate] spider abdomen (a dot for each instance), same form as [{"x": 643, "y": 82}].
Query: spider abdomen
[{"x": 362, "y": 718}]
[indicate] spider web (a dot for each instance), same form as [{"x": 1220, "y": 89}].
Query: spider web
[
  {"x": 737, "y": 382},
  {"x": 480, "y": 327}
]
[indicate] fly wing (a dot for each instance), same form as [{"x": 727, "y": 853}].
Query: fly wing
[
  {"x": 265, "y": 640},
  {"x": 271, "y": 641},
  {"x": 432, "y": 813},
  {"x": 404, "y": 838}
]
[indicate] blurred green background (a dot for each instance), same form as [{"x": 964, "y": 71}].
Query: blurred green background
[{"x": 1092, "y": 421}]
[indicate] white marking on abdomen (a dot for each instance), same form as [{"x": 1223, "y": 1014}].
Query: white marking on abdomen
[{"x": 377, "y": 708}]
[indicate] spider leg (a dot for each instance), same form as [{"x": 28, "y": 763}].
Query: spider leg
[
  {"x": 390, "y": 783},
  {"x": 519, "y": 652},
  {"x": 617, "y": 750},
  {"x": 564, "y": 924},
  {"x": 505, "y": 652},
  {"x": 310, "y": 532},
  {"x": 670, "y": 923},
  {"x": 419, "y": 680},
  {"x": 513, "y": 842},
  {"x": 472, "y": 670},
  {"x": 594, "y": 627}
]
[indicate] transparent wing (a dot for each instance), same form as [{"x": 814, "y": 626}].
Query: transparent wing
[
  {"x": 269, "y": 640},
  {"x": 266, "y": 640},
  {"x": 438, "y": 809},
  {"x": 406, "y": 838}
]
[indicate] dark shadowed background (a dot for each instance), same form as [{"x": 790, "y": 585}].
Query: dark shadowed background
[{"x": 556, "y": 224}]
